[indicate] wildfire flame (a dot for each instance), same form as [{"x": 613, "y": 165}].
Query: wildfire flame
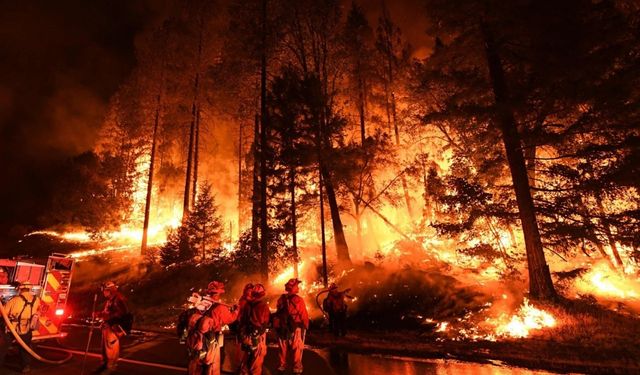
[
  {"x": 526, "y": 319},
  {"x": 602, "y": 281}
]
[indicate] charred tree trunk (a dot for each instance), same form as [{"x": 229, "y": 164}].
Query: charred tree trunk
[
  {"x": 338, "y": 231},
  {"x": 192, "y": 137},
  {"x": 530, "y": 158},
  {"x": 540, "y": 284},
  {"x": 390, "y": 98},
  {"x": 604, "y": 255},
  {"x": 147, "y": 205},
  {"x": 361, "y": 106},
  {"x": 427, "y": 212},
  {"x": 403, "y": 179},
  {"x": 255, "y": 198},
  {"x": 264, "y": 227},
  {"x": 240, "y": 184},
  {"x": 609, "y": 234},
  {"x": 187, "y": 185},
  {"x": 358, "y": 218},
  {"x": 196, "y": 150},
  {"x": 204, "y": 243},
  {"x": 325, "y": 277},
  {"x": 294, "y": 227}
]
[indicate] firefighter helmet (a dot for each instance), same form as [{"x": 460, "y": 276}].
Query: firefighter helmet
[
  {"x": 247, "y": 289},
  {"x": 258, "y": 291},
  {"x": 109, "y": 285},
  {"x": 215, "y": 287},
  {"x": 25, "y": 285},
  {"x": 291, "y": 283}
]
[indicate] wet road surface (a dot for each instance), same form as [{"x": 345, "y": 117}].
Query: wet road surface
[{"x": 152, "y": 353}]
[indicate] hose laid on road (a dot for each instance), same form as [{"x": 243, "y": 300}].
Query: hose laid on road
[{"x": 25, "y": 346}]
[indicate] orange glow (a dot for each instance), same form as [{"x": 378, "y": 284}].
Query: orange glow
[{"x": 528, "y": 318}]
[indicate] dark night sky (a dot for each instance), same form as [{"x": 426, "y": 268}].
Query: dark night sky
[{"x": 60, "y": 61}]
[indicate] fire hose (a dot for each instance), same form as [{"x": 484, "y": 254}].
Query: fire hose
[
  {"x": 25, "y": 346},
  {"x": 324, "y": 313}
]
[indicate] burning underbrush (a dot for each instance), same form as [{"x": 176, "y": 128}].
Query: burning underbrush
[{"x": 440, "y": 306}]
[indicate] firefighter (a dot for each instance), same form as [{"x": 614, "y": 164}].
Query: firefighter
[
  {"x": 23, "y": 310},
  {"x": 114, "y": 311},
  {"x": 4, "y": 276},
  {"x": 210, "y": 325},
  {"x": 291, "y": 322},
  {"x": 246, "y": 296},
  {"x": 254, "y": 320},
  {"x": 242, "y": 302},
  {"x": 335, "y": 306}
]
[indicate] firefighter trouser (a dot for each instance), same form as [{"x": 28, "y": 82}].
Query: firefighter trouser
[
  {"x": 338, "y": 323},
  {"x": 294, "y": 346},
  {"x": 210, "y": 365},
  {"x": 252, "y": 360},
  {"x": 110, "y": 347},
  {"x": 5, "y": 343}
]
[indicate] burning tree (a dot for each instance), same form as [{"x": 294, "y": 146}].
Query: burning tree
[
  {"x": 200, "y": 236},
  {"x": 495, "y": 77}
]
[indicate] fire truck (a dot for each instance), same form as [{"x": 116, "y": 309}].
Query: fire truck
[{"x": 51, "y": 279}]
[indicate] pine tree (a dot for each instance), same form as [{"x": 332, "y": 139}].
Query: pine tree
[{"x": 205, "y": 224}]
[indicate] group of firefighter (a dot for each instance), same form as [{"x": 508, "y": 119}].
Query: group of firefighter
[
  {"x": 202, "y": 331},
  {"x": 202, "y": 328}
]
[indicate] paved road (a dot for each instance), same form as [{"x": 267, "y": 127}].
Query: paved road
[
  {"x": 139, "y": 351},
  {"x": 161, "y": 354}
]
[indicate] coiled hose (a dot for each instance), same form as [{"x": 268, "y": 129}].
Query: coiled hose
[{"x": 25, "y": 346}]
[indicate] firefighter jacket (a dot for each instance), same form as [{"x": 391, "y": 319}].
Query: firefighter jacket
[
  {"x": 254, "y": 317},
  {"x": 291, "y": 307},
  {"x": 334, "y": 303},
  {"x": 219, "y": 315},
  {"x": 21, "y": 308},
  {"x": 115, "y": 308},
  {"x": 242, "y": 303}
]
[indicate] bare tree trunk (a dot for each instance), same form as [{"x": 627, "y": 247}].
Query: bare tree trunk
[
  {"x": 609, "y": 234},
  {"x": 390, "y": 98},
  {"x": 240, "y": 184},
  {"x": 264, "y": 225},
  {"x": 427, "y": 212},
  {"x": 358, "y": 218},
  {"x": 204, "y": 243},
  {"x": 294, "y": 228},
  {"x": 194, "y": 119},
  {"x": 196, "y": 148},
  {"x": 255, "y": 198},
  {"x": 530, "y": 158},
  {"x": 604, "y": 255},
  {"x": 147, "y": 205},
  {"x": 187, "y": 185},
  {"x": 338, "y": 231},
  {"x": 403, "y": 179},
  {"x": 361, "y": 107},
  {"x": 325, "y": 278},
  {"x": 540, "y": 284}
]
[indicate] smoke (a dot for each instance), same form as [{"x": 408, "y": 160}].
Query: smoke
[{"x": 59, "y": 64}]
